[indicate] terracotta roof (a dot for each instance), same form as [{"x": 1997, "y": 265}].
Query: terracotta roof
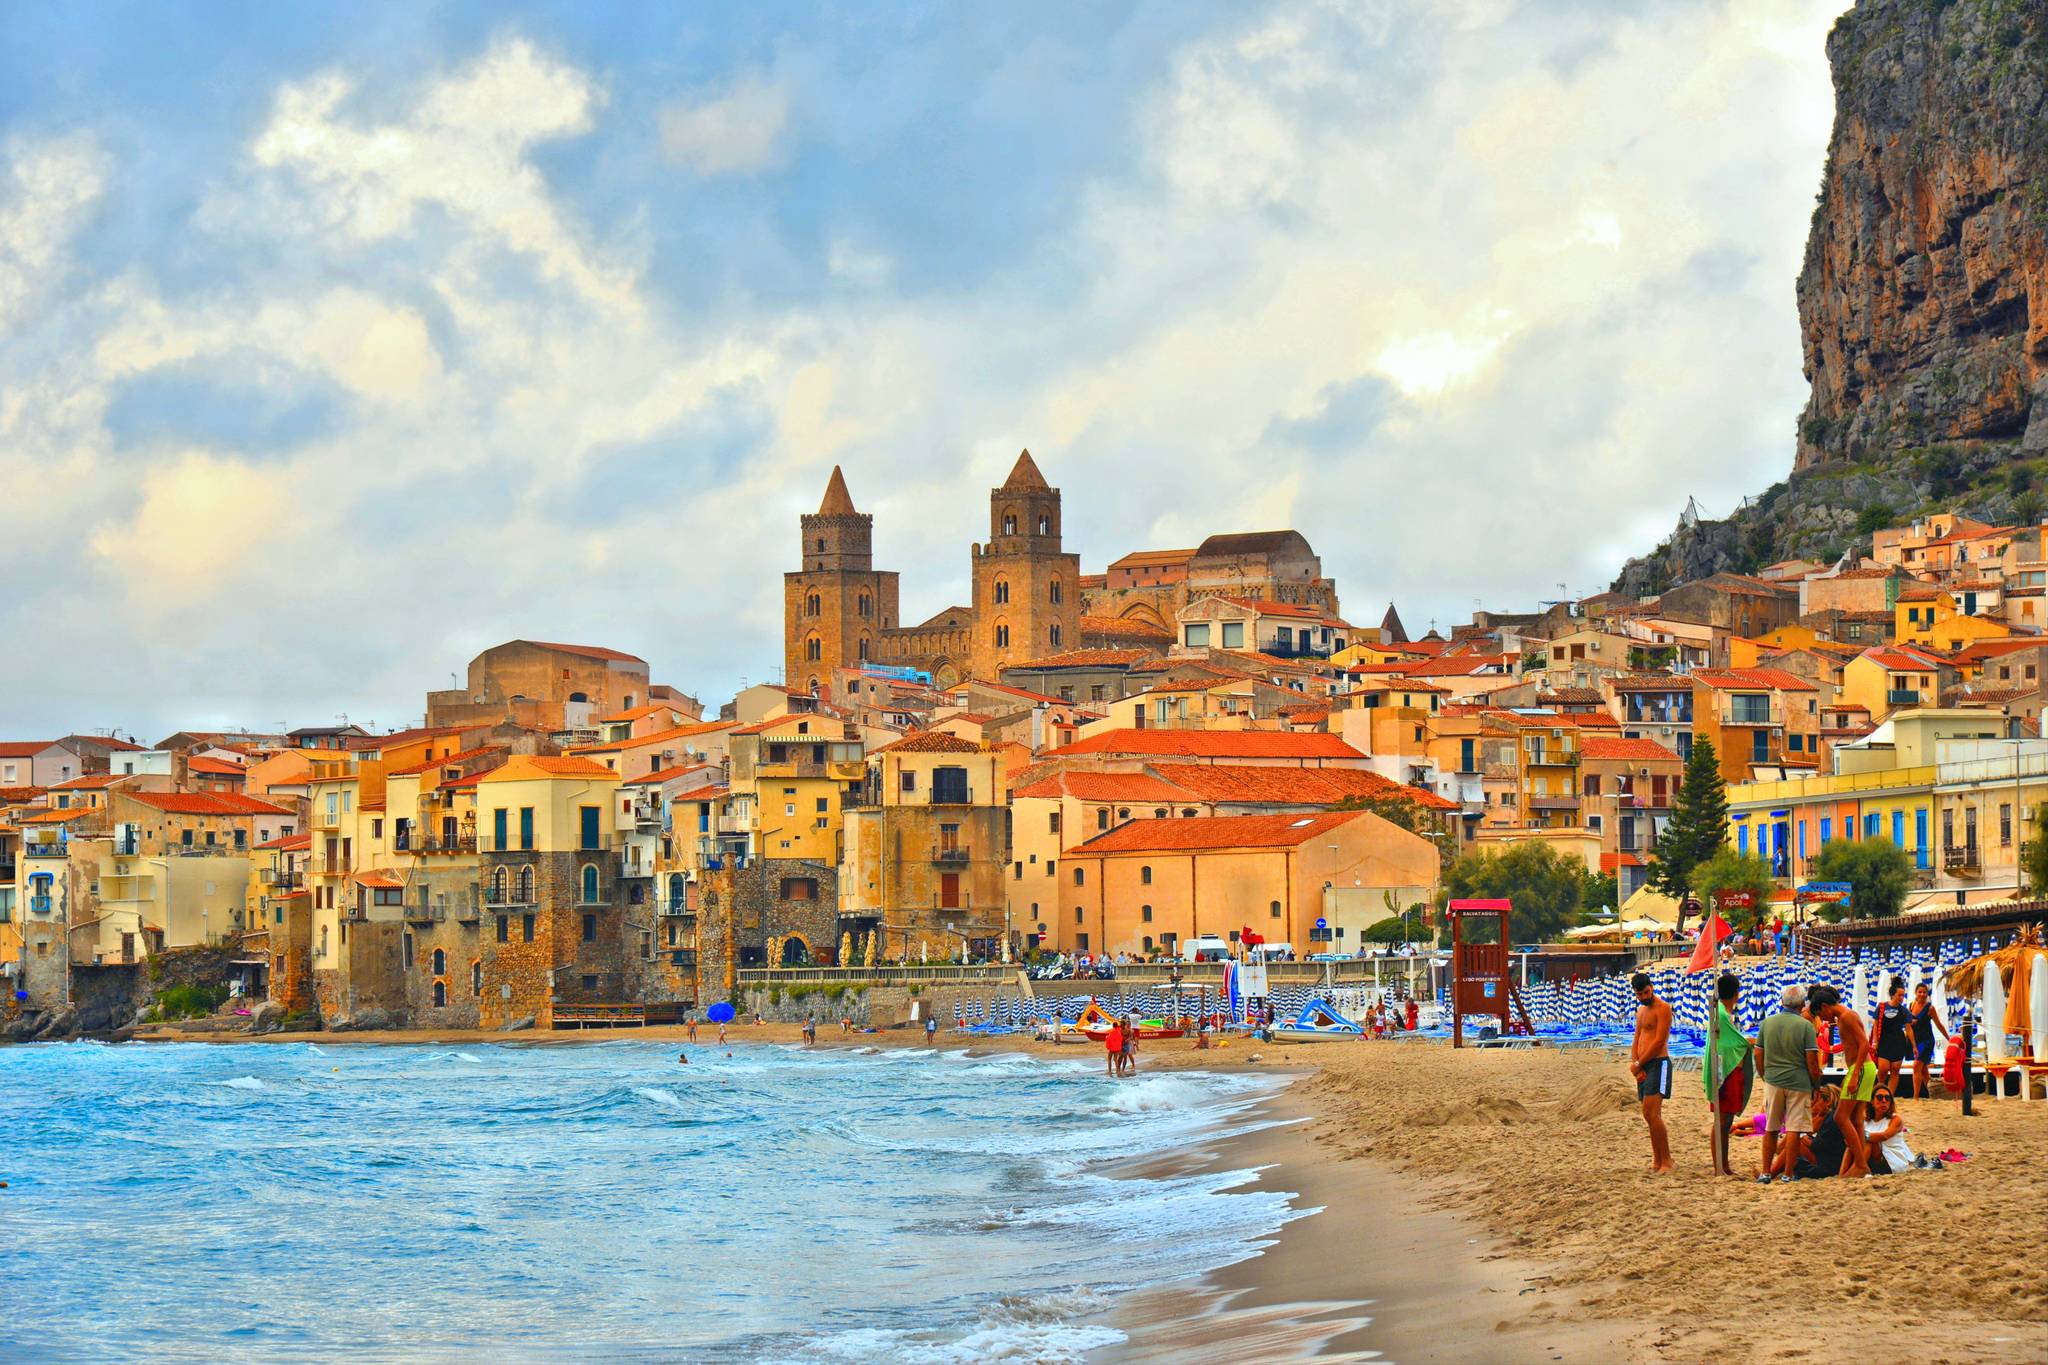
[
  {"x": 1150, "y": 558},
  {"x": 930, "y": 742},
  {"x": 705, "y": 794},
  {"x": 702, "y": 727},
  {"x": 1610, "y": 861},
  {"x": 1991, "y": 649},
  {"x": 450, "y": 760},
  {"x": 92, "y": 782},
  {"x": 24, "y": 748},
  {"x": 207, "y": 803},
  {"x": 527, "y": 767},
  {"x": 1292, "y": 786},
  {"x": 587, "y": 651},
  {"x": 55, "y": 817},
  {"x": 1086, "y": 658},
  {"x": 1776, "y": 679},
  {"x": 636, "y": 713},
  {"x": 1007, "y": 690},
  {"x": 1900, "y": 658},
  {"x": 1212, "y": 744},
  {"x": 216, "y": 767},
  {"x": 1216, "y": 832},
  {"x": 1024, "y": 476},
  {"x": 379, "y": 880},
  {"x": 1084, "y": 786},
  {"x": 289, "y": 843},
  {"x": 1243, "y": 543},
  {"x": 837, "y": 502},
  {"x": 1630, "y": 750},
  {"x": 397, "y": 737},
  {"x": 1569, "y": 696}
]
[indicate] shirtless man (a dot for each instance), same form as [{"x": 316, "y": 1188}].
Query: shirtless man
[
  {"x": 1859, "y": 1075},
  {"x": 1650, "y": 1063}
]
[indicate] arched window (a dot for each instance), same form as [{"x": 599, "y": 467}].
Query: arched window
[
  {"x": 1054, "y": 634},
  {"x": 1052, "y": 591},
  {"x": 1002, "y": 636},
  {"x": 440, "y": 994},
  {"x": 1145, "y": 875},
  {"x": 1002, "y": 593},
  {"x": 675, "y": 890},
  {"x": 867, "y": 605},
  {"x": 526, "y": 886},
  {"x": 1145, "y": 913},
  {"x": 440, "y": 962},
  {"x": 1123, "y": 812},
  {"x": 814, "y": 649},
  {"x": 578, "y": 696},
  {"x": 863, "y": 648},
  {"x": 1276, "y": 909},
  {"x": 498, "y": 884},
  {"x": 589, "y": 884},
  {"x": 1158, "y": 812},
  {"x": 811, "y": 605},
  {"x": 476, "y": 978},
  {"x": 821, "y": 544},
  {"x": 1045, "y": 526},
  {"x": 1009, "y": 523},
  {"x": 1148, "y": 943}
]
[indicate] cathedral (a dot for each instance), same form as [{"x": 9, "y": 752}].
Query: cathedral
[{"x": 839, "y": 611}]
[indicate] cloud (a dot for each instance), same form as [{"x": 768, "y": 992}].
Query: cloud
[
  {"x": 738, "y": 132},
  {"x": 47, "y": 187}
]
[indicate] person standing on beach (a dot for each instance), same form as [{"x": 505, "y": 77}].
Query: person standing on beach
[
  {"x": 810, "y": 1030},
  {"x": 690, "y": 1023},
  {"x": 1925, "y": 1021},
  {"x": 1650, "y": 1063},
  {"x": 931, "y": 1030},
  {"x": 1113, "y": 1049},
  {"x": 1893, "y": 1024},
  {"x": 721, "y": 1033},
  {"x": 1732, "y": 1063},
  {"x": 1789, "y": 1056},
  {"x": 1859, "y": 1075},
  {"x": 1129, "y": 1064}
]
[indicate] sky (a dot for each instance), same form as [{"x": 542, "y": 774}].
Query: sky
[{"x": 339, "y": 343}]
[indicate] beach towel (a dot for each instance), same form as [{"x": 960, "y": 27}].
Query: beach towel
[{"x": 1735, "y": 1058}]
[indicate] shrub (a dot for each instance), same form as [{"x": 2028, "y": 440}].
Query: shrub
[{"x": 189, "y": 1002}]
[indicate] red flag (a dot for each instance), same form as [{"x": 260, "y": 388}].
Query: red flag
[
  {"x": 1711, "y": 934},
  {"x": 1250, "y": 939}
]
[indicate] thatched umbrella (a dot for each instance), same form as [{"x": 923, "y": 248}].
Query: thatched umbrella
[{"x": 2013, "y": 963}]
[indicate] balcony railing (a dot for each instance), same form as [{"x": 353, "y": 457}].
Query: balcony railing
[
  {"x": 39, "y": 905},
  {"x": 1294, "y": 651},
  {"x": 337, "y": 867},
  {"x": 675, "y": 907},
  {"x": 1903, "y": 697},
  {"x": 950, "y": 853},
  {"x": 51, "y": 848},
  {"x": 509, "y": 896},
  {"x": 1960, "y": 860},
  {"x": 284, "y": 879},
  {"x": 442, "y": 843}
]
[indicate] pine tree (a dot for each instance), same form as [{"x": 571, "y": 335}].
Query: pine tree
[{"x": 1698, "y": 828}]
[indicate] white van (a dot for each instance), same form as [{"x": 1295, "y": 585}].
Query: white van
[
  {"x": 1207, "y": 948},
  {"x": 1272, "y": 952}
]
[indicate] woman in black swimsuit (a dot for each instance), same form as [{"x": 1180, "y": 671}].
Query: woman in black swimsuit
[
  {"x": 1894, "y": 1034},
  {"x": 1925, "y": 1022}
]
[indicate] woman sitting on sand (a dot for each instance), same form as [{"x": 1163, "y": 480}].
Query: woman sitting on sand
[
  {"x": 1885, "y": 1130},
  {"x": 1820, "y": 1155}
]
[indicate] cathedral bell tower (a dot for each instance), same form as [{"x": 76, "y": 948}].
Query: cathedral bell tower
[
  {"x": 835, "y": 606},
  {"x": 1027, "y": 596}
]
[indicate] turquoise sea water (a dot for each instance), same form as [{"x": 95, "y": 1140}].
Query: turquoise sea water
[{"x": 188, "y": 1201}]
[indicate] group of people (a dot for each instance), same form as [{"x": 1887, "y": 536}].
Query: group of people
[
  {"x": 1381, "y": 1018},
  {"x": 1121, "y": 1046},
  {"x": 1811, "y": 1130}
]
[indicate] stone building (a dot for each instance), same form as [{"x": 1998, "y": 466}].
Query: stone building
[
  {"x": 836, "y": 606},
  {"x": 1152, "y": 587},
  {"x": 754, "y": 912},
  {"x": 927, "y": 845},
  {"x": 550, "y": 687}
]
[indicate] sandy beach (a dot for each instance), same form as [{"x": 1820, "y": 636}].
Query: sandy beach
[{"x": 1494, "y": 1205}]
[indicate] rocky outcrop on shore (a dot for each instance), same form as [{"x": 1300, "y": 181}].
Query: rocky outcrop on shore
[{"x": 1923, "y": 300}]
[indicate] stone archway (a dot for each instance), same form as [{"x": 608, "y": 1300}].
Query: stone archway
[
  {"x": 944, "y": 675},
  {"x": 796, "y": 951},
  {"x": 1144, "y": 613}
]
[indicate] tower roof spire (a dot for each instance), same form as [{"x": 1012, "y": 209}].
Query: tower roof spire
[
  {"x": 838, "y": 502},
  {"x": 1024, "y": 475}
]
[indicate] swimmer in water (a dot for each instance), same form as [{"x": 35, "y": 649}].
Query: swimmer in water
[{"x": 682, "y": 1059}]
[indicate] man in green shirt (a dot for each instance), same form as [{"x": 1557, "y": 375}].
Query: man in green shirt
[{"x": 1788, "y": 1054}]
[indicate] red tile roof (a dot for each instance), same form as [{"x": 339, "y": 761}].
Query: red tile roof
[
  {"x": 636, "y": 713},
  {"x": 216, "y": 767},
  {"x": 207, "y": 803},
  {"x": 668, "y": 774},
  {"x": 448, "y": 761},
  {"x": 1775, "y": 679},
  {"x": 56, "y": 817},
  {"x": 1628, "y": 750},
  {"x": 930, "y": 742},
  {"x": 1114, "y": 628},
  {"x": 92, "y": 782},
  {"x": 1086, "y": 658},
  {"x": 379, "y": 880},
  {"x": 1216, "y": 832},
  {"x": 1241, "y": 783},
  {"x": 1212, "y": 744},
  {"x": 398, "y": 737},
  {"x": 24, "y": 748},
  {"x": 703, "y": 727},
  {"x": 1900, "y": 658},
  {"x": 289, "y": 843},
  {"x": 1084, "y": 786},
  {"x": 516, "y": 767}
]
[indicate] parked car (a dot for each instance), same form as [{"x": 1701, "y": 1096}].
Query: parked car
[
  {"x": 1207, "y": 948},
  {"x": 1105, "y": 970}
]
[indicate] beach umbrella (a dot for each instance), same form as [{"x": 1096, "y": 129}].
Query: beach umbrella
[
  {"x": 1859, "y": 991},
  {"x": 720, "y": 1013}
]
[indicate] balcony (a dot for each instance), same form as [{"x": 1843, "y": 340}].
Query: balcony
[
  {"x": 1904, "y": 697},
  {"x": 1553, "y": 758},
  {"x": 126, "y": 846},
  {"x": 427, "y": 914},
  {"x": 1294, "y": 651},
  {"x": 1961, "y": 860},
  {"x": 326, "y": 819},
  {"x": 950, "y": 853},
  {"x": 468, "y": 911},
  {"x": 644, "y": 815},
  {"x": 52, "y": 848},
  {"x": 337, "y": 867},
  {"x": 423, "y": 844},
  {"x": 284, "y": 879},
  {"x": 508, "y": 897},
  {"x": 681, "y": 957},
  {"x": 39, "y": 905},
  {"x": 355, "y": 914},
  {"x": 674, "y": 907},
  {"x": 8, "y": 867},
  {"x": 1553, "y": 803}
]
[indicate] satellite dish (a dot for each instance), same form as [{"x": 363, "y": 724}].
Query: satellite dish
[{"x": 720, "y": 1013}]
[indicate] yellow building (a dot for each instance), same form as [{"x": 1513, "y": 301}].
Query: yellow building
[
  {"x": 1751, "y": 653},
  {"x": 1051, "y": 815},
  {"x": 798, "y": 772},
  {"x": 1933, "y": 619},
  {"x": 1889, "y": 678}
]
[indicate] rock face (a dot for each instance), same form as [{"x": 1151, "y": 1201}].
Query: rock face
[{"x": 1923, "y": 303}]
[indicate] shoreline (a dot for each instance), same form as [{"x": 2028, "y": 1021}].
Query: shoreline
[{"x": 1526, "y": 1225}]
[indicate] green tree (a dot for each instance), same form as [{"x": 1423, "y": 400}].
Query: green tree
[
  {"x": 1395, "y": 929},
  {"x": 1546, "y": 887},
  {"x": 1698, "y": 828},
  {"x": 1875, "y": 517},
  {"x": 1600, "y": 891},
  {"x": 1879, "y": 874},
  {"x": 1728, "y": 870},
  {"x": 2034, "y": 857}
]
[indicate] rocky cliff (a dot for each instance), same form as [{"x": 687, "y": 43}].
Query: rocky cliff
[{"x": 1923, "y": 300}]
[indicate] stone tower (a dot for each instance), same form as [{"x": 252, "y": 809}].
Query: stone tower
[
  {"x": 836, "y": 605},
  {"x": 1027, "y": 597}
]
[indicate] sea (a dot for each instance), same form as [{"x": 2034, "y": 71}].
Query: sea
[{"x": 601, "y": 1200}]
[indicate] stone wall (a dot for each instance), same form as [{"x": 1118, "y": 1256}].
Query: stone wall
[
  {"x": 459, "y": 1002},
  {"x": 742, "y": 911}
]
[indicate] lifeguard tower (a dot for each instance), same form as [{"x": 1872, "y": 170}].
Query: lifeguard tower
[{"x": 1479, "y": 971}]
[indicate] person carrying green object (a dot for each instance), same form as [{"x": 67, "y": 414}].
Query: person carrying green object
[{"x": 1731, "y": 1061}]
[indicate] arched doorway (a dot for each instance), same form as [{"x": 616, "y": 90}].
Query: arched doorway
[{"x": 795, "y": 952}]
